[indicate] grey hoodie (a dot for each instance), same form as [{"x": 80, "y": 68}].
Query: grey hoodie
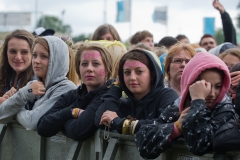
[
  {"x": 221, "y": 48},
  {"x": 56, "y": 84}
]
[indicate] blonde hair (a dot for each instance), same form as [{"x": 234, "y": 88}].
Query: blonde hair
[
  {"x": 195, "y": 45},
  {"x": 72, "y": 75},
  {"x": 41, "y": 41},
  {"x": 160, "y": 50},
  {"x": 116, "y": 49},
  {"x": 174, "y": 49},
  {"x": 233, "y": 51},
  {"x": 106, "y": 57},
  {"x": 76, "y": 45}
]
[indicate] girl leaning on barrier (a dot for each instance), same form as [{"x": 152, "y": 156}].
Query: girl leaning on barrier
[
  {"x": 73, "y": 114},
  {"x": 204, "y": 88},
  {"x": 16, "y": 67},
  {"x": 140, "y": 77},
  {"x": 50, "y": 64},
  {"x": 204, "y": 108}
]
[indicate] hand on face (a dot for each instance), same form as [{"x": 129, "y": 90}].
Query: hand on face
[
  {"x": 38, "y": 88},
  {"x": 200, "y": 89},
  {"x": 182, "y": 116},
  {"x": 10, "y": 93},
  {"x": 235, "y": 78},
  {"x": 107, "y": 117}
]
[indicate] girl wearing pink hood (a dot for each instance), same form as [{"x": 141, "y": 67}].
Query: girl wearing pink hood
[{"x": 204, "y": 105}]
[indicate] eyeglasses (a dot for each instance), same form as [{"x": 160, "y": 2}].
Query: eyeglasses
[
  {"x": 232, "y": 89},
  {"x": 180, "y": 60},
  {"x": 229, "y": 68}
]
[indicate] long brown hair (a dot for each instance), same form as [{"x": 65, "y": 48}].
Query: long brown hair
[
  {"x": 103, "y": 29},
  {"x": 6, "y": 71}
]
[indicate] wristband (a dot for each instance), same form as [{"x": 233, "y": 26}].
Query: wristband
[
  {"x": 178, "y": 127},
  {"x": 75, "y": 112},
  {"x": 134, "y": 126},
  {"x": 125, "y": 126}
]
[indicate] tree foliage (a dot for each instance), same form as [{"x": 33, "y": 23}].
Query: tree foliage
[
  {"x": 81, "y": 37},
  {"x": 219, "y": 36},
  {"x": 53, "y": 22}
]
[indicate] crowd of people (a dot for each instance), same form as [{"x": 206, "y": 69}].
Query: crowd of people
[{"x": 156, "y": 92}]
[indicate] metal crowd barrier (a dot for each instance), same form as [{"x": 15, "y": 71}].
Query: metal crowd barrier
[{"x": 19, "y": 144}]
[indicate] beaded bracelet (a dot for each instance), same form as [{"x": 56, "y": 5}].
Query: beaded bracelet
[{"x": 129, "y": 126}]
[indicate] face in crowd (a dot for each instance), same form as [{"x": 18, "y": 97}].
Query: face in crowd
[
  {"x": 208, "y": 43},
  {"x": 178, "y": 63},
  {"x": 216, "y": 80},
  {"x": 40, "y": 61},
  {"x": 19, "y": 55},
  {"x": 92, "y": 69},
  {"x": 148, "y": 41},
  {"x": 185, "y": 40},
  {"x": 230, "y": 60},
  {"x": 107, "y": 36},
  {"x": 137, "y": 77}
]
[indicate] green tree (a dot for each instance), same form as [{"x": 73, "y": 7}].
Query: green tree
[
  {"x": 219, "y": 36},
  {"x": 81, "y": 37},
  {"x": 54, "y": 23}
]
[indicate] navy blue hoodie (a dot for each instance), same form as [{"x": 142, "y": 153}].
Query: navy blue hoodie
[{"x": 146, "y": 109}]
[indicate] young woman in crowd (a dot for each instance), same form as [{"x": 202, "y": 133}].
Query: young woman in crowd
[
  {"x": 177, "y": 58},
  {"x": 50, "y": 64},
  {"x": 230, "y": 57},
  {"x": 16, "y": 68},
  {"x": 141, "y": 79},
  {"x": 74, "y": 112},
  {"x": 204, "y": 108},
  {"x": 106, "y": 32},
  {"x": 205, "y": 83}
]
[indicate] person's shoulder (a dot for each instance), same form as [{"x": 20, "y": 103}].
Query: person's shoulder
[
  {"x": 125, "y": 101},
  {"x": 224, "y": 105},
  {"x": 167, "y": 90},
  {"x": 71, "y": 94},
  {"x": 66, "y": 83}
]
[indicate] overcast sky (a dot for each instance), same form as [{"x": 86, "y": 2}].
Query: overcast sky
[{"x": 84, "y": 16}]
